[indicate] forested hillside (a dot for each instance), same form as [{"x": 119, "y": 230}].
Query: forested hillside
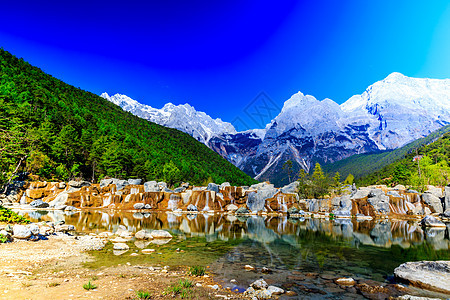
[
  {"x": 429, "y": 165},
  {"x": 362, "y": 165},
  {"x": 57, "y": 131}
]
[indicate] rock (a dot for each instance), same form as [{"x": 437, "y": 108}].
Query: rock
[
  {"x": 143, "y": 235},
  {"x": 394, "y": 194},
  {"x": 342, "y": 213},
  {"x": 225, "y": 184},
  {"x": 139, "y": 206},
  {"x": 259, "y": 284},
  {"x": 430, "y": 221},
  {"x": 120, "y": 246},
  {"x": 291, "y": 293},
  {"x": 214, "y": 287},
  {"x": 275, "y": 290},
  {"x": 435, "y": 191},
  {"x": 34, "y": 228},
  {"x": 447, "y": 198},
  {"x": 90, "y": 243},
  {"x": 61, "y": 185},
  {"x": 78, "y": 184},
  {"x": 257, "y": 200},
  {"x": 120, "y": 184},
  {"x": 360, "y": 193},
  {"x": 433, "y": 202},
  {"x": 242, "y": 211},
  {"x": 134, "y": 181},
  {"x": 380, "y": 202},
  {"x": 162, "y": 185},
  {"x": 249, "y": 268},
  {"x": 376, "y": 193},
  {"x": 105, "y": 182},
  {"x": 192, "y": 207},
  {"x": 291, "y": 188},
  {"x": 148, "y": 251},
  {"x": 21, "y": 232},
  {"x": 427, "y": 211},
  {"x": 212, "y": 187},
  {"x": 266, "y": 270},
  {"x": 64, "y": 228},
  {"x": 61, "y": 199},
  {"x": 345, "y": 281},
  {"x": 151, "y": 186},
  {"x": 60, "y": 207},
  {"x": 160, "y": 234},
  {"x": 39, "y": 204},
  {"x": 263, "y": 294},
  {"x": 409, "y": 191},
  {"x": 410, "y": 297},
  {"x": 431, "y": 275},
  {"x": 179, "y": 190},
  {"x": 232, "y": 207},
  {"x": 167, "y": 190}
]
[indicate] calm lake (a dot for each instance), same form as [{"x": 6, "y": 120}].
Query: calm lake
[{"x": 304, "y": 255}]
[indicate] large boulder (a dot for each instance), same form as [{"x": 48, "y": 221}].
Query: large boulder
[
  {"x": 61, "y": 199},
  {"x": 134, "y": 181},
  {"x": 447, "y": 199},
  {"x": 257, "y": 200},
  {"x": 39, "y": 204},
  {"x": 78, "y": 184},
  {"x": 431, "y": 275},
  {"x": 143, "y": 235},
  {"x": 21, "y": 232},
  {"x": 379, "y": 201},
  {"x": 433, "y": 202},
  {"x": 430, "y": 221},
  {"x": 360, "y": 193},
  {"x": 291, "y": 188},
  {"x": 105, "y": 182},
  {"x": 191, "y": 207},
  {"x": 151, "y": 186},
  {"x": 139, "y": 206},
  {"x": 213, "y": 187},
  {"x": 160, "y": 234},
  {"x": 120, "y": 184}
]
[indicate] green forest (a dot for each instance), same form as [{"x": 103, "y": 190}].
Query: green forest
[
  {"x": 362, "y": 165},
  {"x": 59, "y": 132},
  {"x": 427, "y": 165}
]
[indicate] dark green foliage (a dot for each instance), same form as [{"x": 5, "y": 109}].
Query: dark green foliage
[
  {"x": 362, "y": 165},
  {"x": 8, "y": 216},
  {"x": 318, "y": 184},
  {"x": 62, "y": 132},
  {"x": 431, "y": 167}
]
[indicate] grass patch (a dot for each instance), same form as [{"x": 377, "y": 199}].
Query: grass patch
[
  {"x": 197, "y": 271},
  {"x": 3, "y": 238},
  {"x": 10, "y": 217},
  {"x": 89, "y": 286},
  {"x": 53, "y": 284},
  {"x": 143, "y": 295},
  {"x": 181, "y": 288}
]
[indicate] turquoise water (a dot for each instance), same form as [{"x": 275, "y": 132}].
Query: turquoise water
[{"x": 304, "y": 255}]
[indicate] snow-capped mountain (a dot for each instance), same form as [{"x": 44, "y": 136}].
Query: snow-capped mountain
[
  {"x": 389, "y": 114},
  {"x": 182, "y": 117}
]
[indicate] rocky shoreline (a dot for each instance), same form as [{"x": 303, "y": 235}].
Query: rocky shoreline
[{"x": 262, "y": 198}]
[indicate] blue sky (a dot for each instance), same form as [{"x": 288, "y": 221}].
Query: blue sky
[{"x": 220, "y": 56}]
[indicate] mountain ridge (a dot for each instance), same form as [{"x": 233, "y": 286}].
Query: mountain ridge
[{"x": 387, "y": 115}]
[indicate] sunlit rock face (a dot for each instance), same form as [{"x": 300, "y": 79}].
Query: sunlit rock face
[{"x": 374, "y": 201}]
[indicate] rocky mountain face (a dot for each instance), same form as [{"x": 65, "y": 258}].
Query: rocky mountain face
[
  {"x": 182, "y": 117},
  {"x": 389, "y": 114}
]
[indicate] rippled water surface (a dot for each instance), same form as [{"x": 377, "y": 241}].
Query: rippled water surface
[{"x": 305, "y": 255}]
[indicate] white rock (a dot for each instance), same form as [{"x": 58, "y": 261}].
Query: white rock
[
  {"x": 121, "y": 246},
  {"x": 160, "y": 234}
]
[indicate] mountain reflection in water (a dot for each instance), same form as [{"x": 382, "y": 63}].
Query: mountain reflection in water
[{"x": 292, "y": 248}]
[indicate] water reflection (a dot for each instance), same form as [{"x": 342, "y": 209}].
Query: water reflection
[
  {"x": 292, "y": 248},
  {"x": 385, "y": 233}
]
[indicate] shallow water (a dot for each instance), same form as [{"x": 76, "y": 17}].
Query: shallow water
[{"x": 305, "y": 255}]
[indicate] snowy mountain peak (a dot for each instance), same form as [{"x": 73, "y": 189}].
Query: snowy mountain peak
[{"x": 183, "y": 117}]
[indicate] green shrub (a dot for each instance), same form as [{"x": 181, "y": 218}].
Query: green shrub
[
  {"x": 3, "y": 239},
  {"x": 89, "y": 286},
  {"x": 197, "y": 271},
  {"x": 143, "y": 295},
  {"x": 182, "y": 288},
  {"x": 8, "y": 216}
]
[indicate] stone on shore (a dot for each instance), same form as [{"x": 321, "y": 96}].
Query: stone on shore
[
  {"x": 430, "y": 221},
  {"x": 160, "y": 234},
  {"x": 143, "y": 235},
  {"x": 21, "y": 232},
  {"x": 121, "y": 246},
  {"x": 39, "y": 204},
  {"x": 431, "y": 275},
  {"x": 139, "y": 206},
  {"x": 259, "y": 284}
]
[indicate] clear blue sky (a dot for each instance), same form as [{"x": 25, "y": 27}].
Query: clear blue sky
[{"x": 219, "y": 56}]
